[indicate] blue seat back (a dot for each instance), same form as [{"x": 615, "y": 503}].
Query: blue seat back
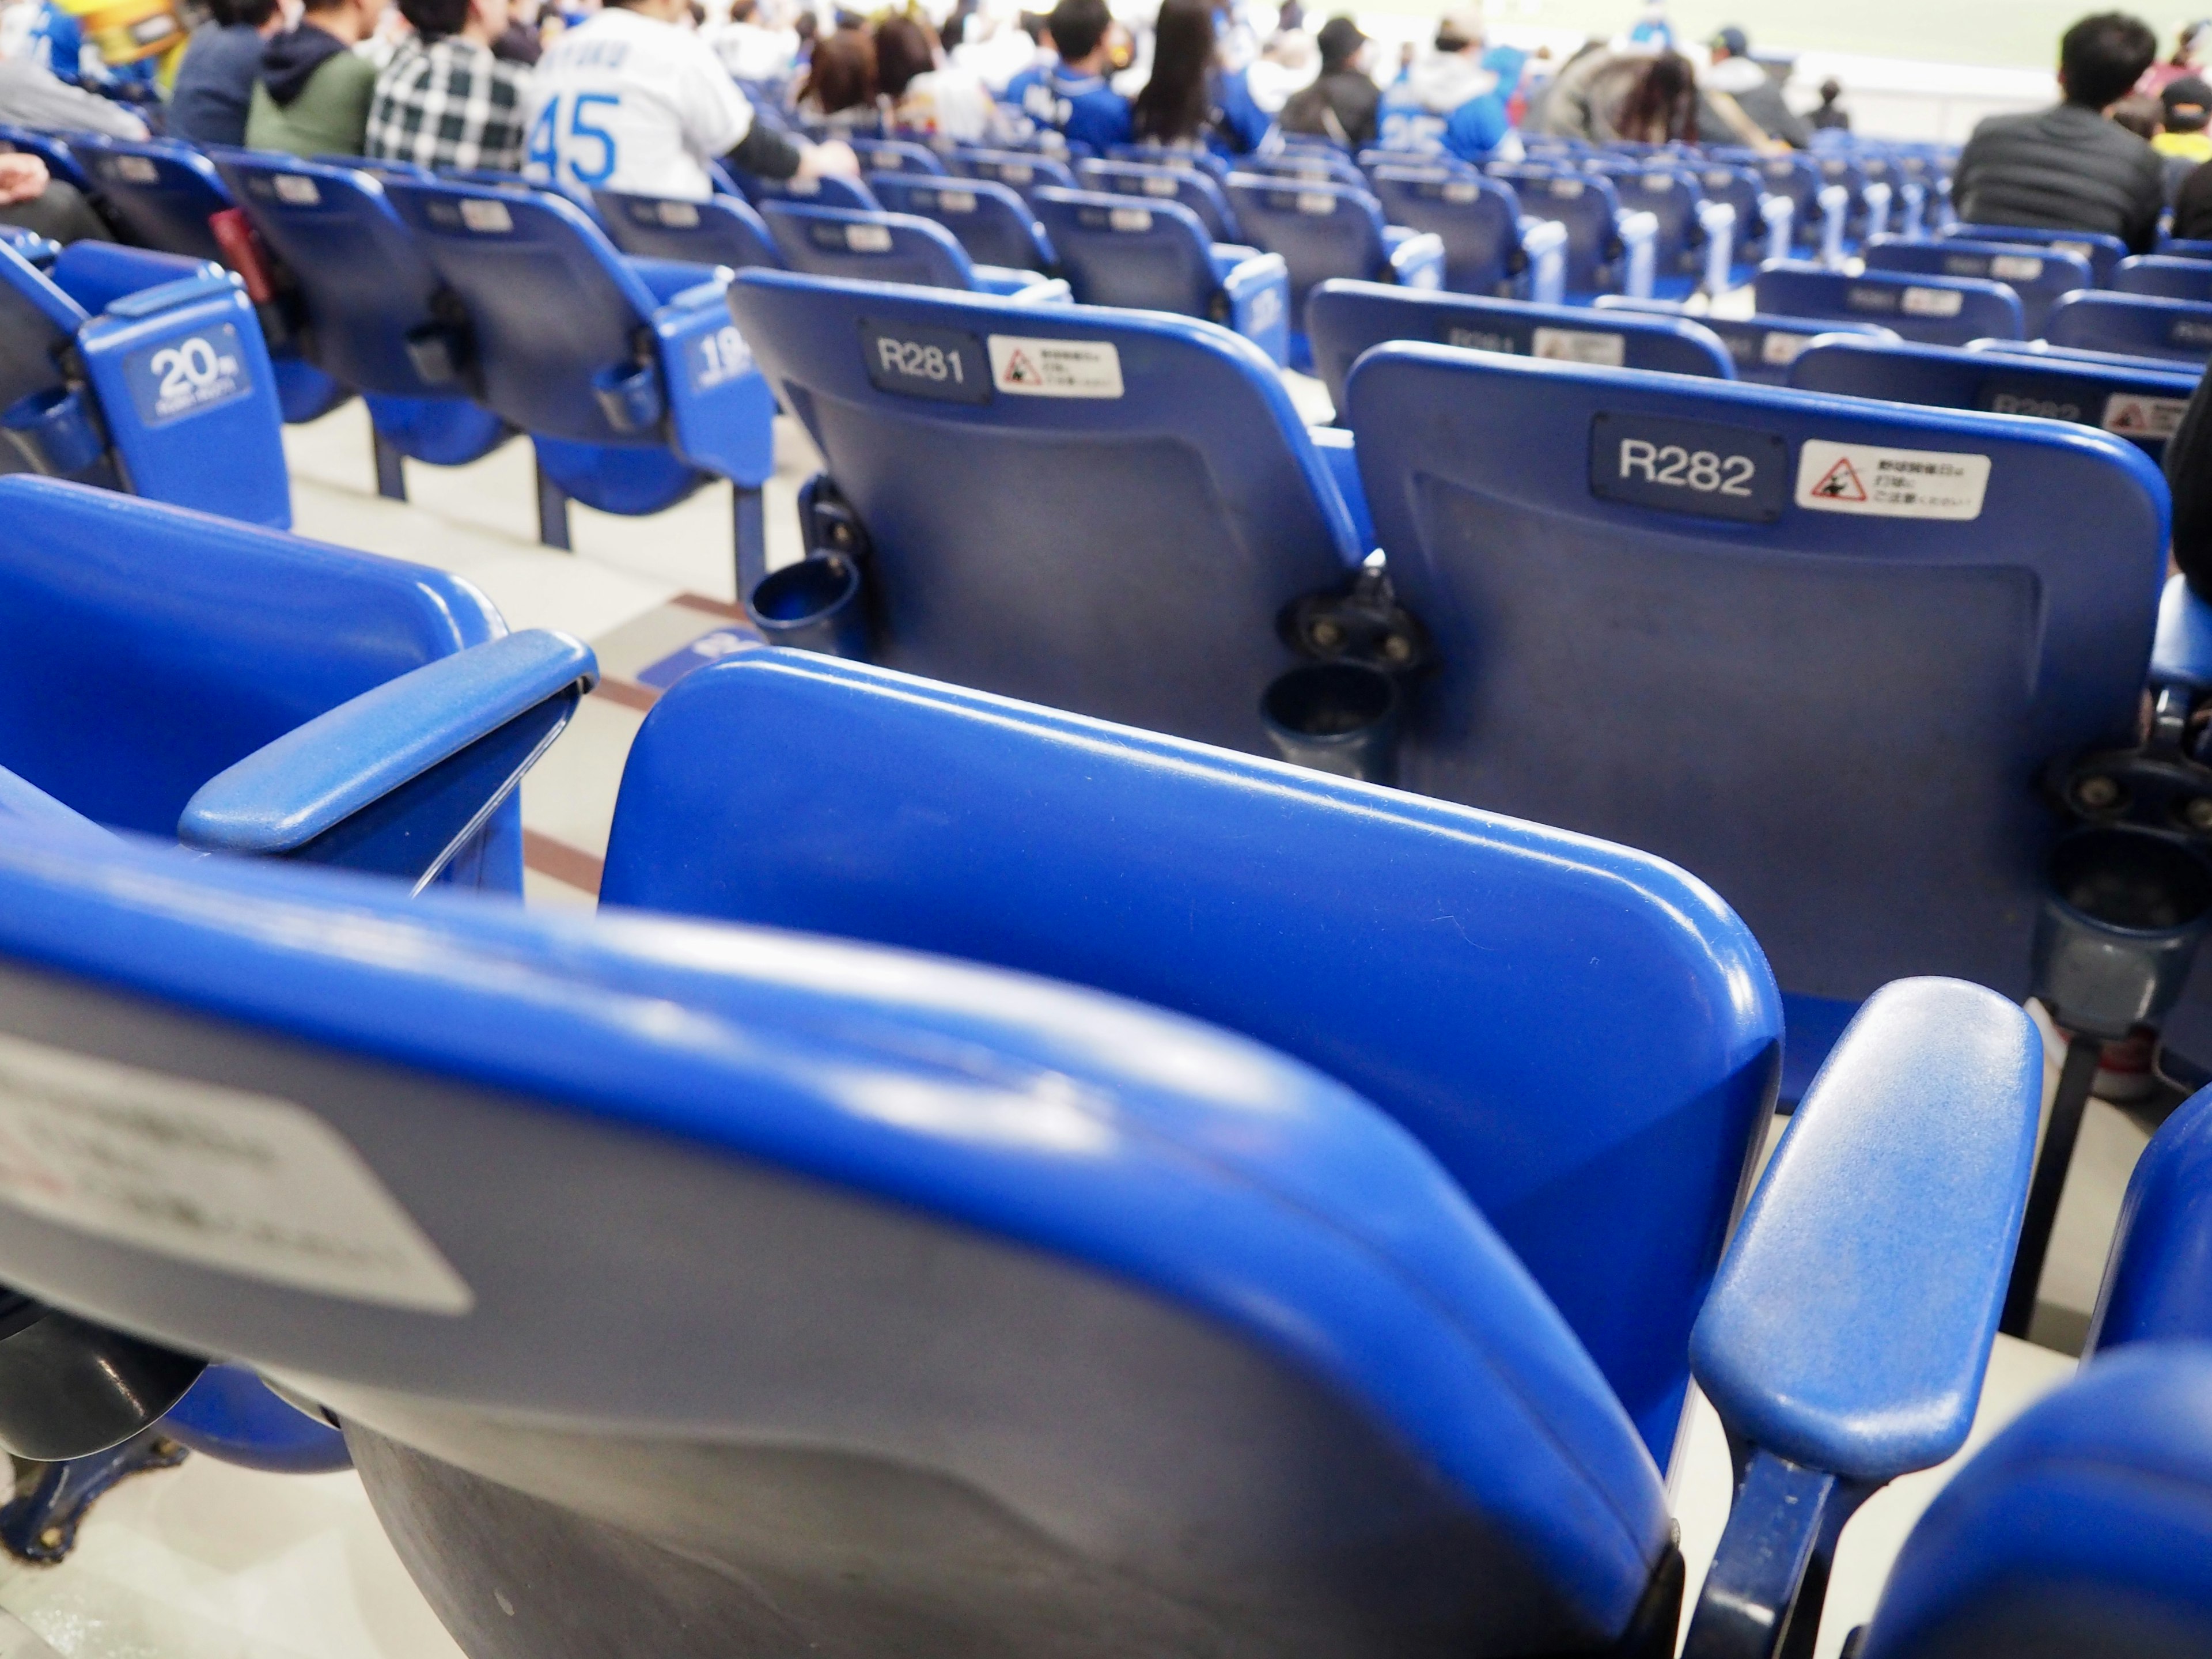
[
  {"x": 887, "y": 1261},
  {"x": 52, "y": 148},
  {"x": 2103, "y": 252},
  {"x": 988, "y": 219},
  {"x": 154, "y": 649},
  {"x": 1154, "y": 835},
  {"x": 1939, "y": 310},
  {"x": 2039, "y": 274},
  {"x": 1316, "y": 165},
  {"x": 1019, "y": 170},
  {"x": 1172, "y": 156},
  {"x": 2112, "y": 359},
  {"x": 723, "y": 230},
  {"x": 1478, "y": 218},
  {"x": 1838, "y": 596},
  {"x": 877, "y": 247},
  {"x": 1671, "y": 193},
  {"x": 2166, "y": 277},
  {"x": 898, "y": 156},
  {"x": 2084, "y": 1527},
  {"x": 1187, "y": 185},
  {"x": 1343, "y": 320},
  {"x": 163, "y": 191},
  {"x": 2158, "y": 1283},
  {"x": 2144, "y": 407},
  {"x": 2133, "y": 325},
  {"x": 1124, "y": 555},
  {"x": 38, "y": 321},
  {"x": 1143, "y": 255},
  {"x": 845, "y": 195},
  {"x": 1586, "y": 204},
  {"x": 1761, "y": 347},
  {"x": 1739, "y": 187},
  {"x": 1793, "y": 176},
  {"x": 1322, "y": 230},
  {"x": 515, "y": 259},
  {"x": 365, "y": 281}
]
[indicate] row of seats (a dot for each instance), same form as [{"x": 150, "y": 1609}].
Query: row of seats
[{"x": 989, "y": 1175}]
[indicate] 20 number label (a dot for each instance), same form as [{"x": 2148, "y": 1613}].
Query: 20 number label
[{"x": 1702, "y": 469}]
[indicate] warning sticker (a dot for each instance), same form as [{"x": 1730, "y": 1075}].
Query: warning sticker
[
  {"x": 1778, "y": 350},
  {"x": 296, "y": 188},
  {"x": 1580, "y": 345},
  {"x": 868, "y": 239},
  {"x": 1318, "y": 202},
  {"x": 2015, "y": 267},
  {"x": 957, "y": 201},
  {"x": 2135, "y": 417},
  {"x": 485, "y": 217},
  {"x": 1933, "y": 301},
  {"x": 1461, "y": 190},
  {"x": 245, "y": 1183},
  {"x": 1891, "y": 483},
  {"x": 677, "y": 215},
  {"x": 1130, "y": 220},
  {"x": 1054, "y": 369}
]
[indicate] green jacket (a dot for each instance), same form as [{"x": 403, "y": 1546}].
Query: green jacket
[{"x": 328, "y": 117}]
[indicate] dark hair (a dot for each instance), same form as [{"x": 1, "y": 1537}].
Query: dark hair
[
  {"x": 1077, "y": 27},
  {"x": 1661, "y": 105},
  {"x": 842, "y": 74},
  {"x": 903, "y": 50},
  {"x": 955, "y": 30},
  {"x": 252, "y": 13},
  {"x": 2189, "y": 33},
  {"x": 1032, "y": 24},
  {"x": 433, "y": 20},
  {"x": 2101, "y": 57},
  {"x": 1830, "y": 90},
  {"x": 1176, "y": 101},
  {"x": 2142, "y": 116},
  {"x": 806, "y": 28}
]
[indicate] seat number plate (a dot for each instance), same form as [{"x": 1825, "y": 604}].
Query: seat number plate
[{"x": 1690, "y": 466}]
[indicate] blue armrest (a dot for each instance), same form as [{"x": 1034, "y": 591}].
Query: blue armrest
[
  {"x": 680, "y": 282},
  {"x": 2181, "y": 654},
  {"x": 1717, "y": 220},
  {"x": 366, "y": 765},
  {"x": 1341, "y": 457},
  {"x": 1878, "y": 198},
  {"x": 1544, "y": 245},
  {"x": 1779, "y": 215},
  {"x": 97, "y": 274},
  {"x": 26, "y": 803},
  {"x": 168, "y": 296},
  {"x": 1258, "y": 289},
  {"x": 1835, "y": 204},
  {"x": 1417, "y": 257},
  {"x": 1852, "y": 1318},
  {"x": 1031, "y": 286},
  {"x": 1639, "y": 243}
]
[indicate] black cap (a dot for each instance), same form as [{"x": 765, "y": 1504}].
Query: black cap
[
  {"x": 1339, "y": 38},
  {"x": 1732, "y": 41},
  {"x": 2187, "y": 92}
]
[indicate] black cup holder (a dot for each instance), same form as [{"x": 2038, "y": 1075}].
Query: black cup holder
[{"x": 1336, "y": 717}]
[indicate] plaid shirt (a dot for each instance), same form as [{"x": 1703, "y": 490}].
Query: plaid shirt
[{"x": 448, "y": 105}]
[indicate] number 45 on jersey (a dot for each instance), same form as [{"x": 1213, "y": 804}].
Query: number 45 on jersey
[{"x": 566, "y": 136}]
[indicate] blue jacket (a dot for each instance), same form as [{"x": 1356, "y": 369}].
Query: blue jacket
[
  {"x": 1083, "y": 108},
  {"x": 214, "y": 84},
  {"x": 1450, "y": 103}
]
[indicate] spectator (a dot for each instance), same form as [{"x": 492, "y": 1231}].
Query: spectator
[
  {"x": 445, "y": 100},
  {"x": 2188, "y": 105},
  {"x": 2188, "y": 59},
  {"x": 1454, "y": 100},
  {"x": 214, "y": 83},
  {"x": 31, "y": 95},
  {"x": 1190, "y": 100},
  {"x": 32, "y": 200},
  {"x": 518, "y": 42},
  {"x": 312, "y": 98},
  {"x": 749, "y": 48},
  {"x": 1073, "y": 98},
  {"x": 2143, "y": 117},
  {"x": 2193, "y": 213},
  {"x": 1831, "y": 117},
  {"x": 1740, "y": 97},
  {"x": 632, "y": 100},
  {"x": 1587, "y": 93},
  {"x": 931, "y": 98},
  {"x": 840, "y": 88},
  {"x": 1652, "y": 33},
  {"x": 1662, "y": 106},
  {"x": 1343, "y": 100},
  {"x": 2068, "y": 168}
]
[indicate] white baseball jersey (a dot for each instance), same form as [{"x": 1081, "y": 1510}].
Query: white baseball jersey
[{"x": 627, "y": 102}]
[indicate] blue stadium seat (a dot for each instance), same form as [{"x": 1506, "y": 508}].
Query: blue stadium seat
[
  {"x": 2103, "y": 252},
  {"x": 1761, "y": 347},
  {"x": 2040, "y": 274},
  {"x": 1870, "y": 202},
  {"x": 722, "y": 230},
  {"x": 2177, "y": 248},
  {"x": 1345, "y": 319},
  {"x": 53, "y": 150},
  {"x": 1096, "y": 510},
  {"x": 1186, "y": 183},
  {"x": 644, "y": 391},
  {"x": 1146, "y": 254},
  {"x": 2166, "y": 277},
  {"x": 1020, "y": 170},
  {"x": 898, "y": 156},
  {"x": 1318, "y": 165},
  {"x": 893, "y": 247},
  {"x": 1609, "y": 251},
  {"x": 1905, "y": 211},
  {"x": 990, "y": 219},
  {"x": 140, "y": 371},
  {"x": 177, "y": 674},
  {"x": 925, "y": 1296},
  {"x": 1330, "y": 230},
  {"x": 2119, "y": 361},
  {"x": 1172, "y": 156},
  {"x": 1490, "y": 248},
  {"x": 2158, "y": 1281},
  {"x": 167, "y": 196},
  {"x": 366, "y": 298},
  {"x": 2143, "y": 407},
  {"x": 1693, "y": 250},
  {"x": 1939, "y": 310},
  {"x": 1819, "y": 212},
  {"x": 1708, "y": 558},
  {"x": 2133, "y": 325}
]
